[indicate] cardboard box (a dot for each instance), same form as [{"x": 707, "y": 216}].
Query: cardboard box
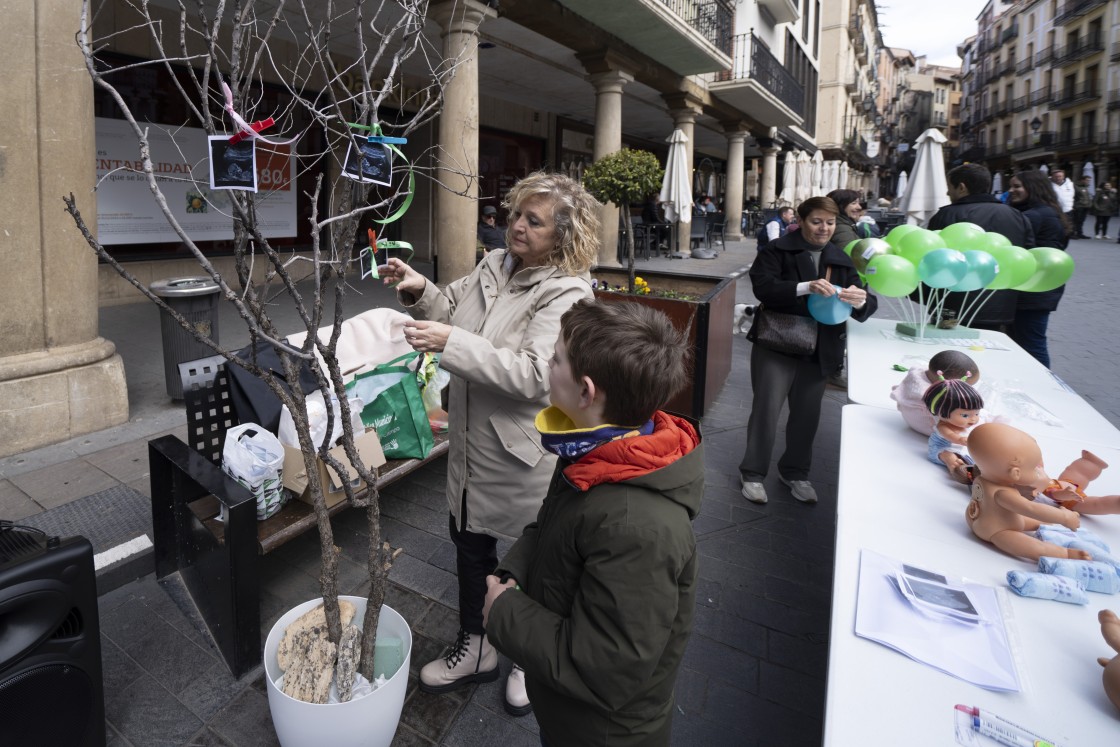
[{"x": 295, "y": 475}]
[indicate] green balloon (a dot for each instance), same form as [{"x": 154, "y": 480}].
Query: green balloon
[
  {"x": 996, "y": 239},
  {"x": 848, "y": 248},
  {"x": 1016, "y": 265},
  {"x": 898, "y": 233},
  {"x": 865, "y": 249},
  {"x": 892, "y": 276},
  {"x": 918, "y": 243},
  {"x": 1055, "y": 268},
  {"x": 964, "y": 236}
]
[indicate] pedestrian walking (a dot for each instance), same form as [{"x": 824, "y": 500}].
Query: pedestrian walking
[
  {"x": 1082, "y": 204},
  {"x": 1104, "y": 207}
]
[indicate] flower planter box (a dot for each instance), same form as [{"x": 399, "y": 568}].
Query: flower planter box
[{"x": 707, "y": 321}]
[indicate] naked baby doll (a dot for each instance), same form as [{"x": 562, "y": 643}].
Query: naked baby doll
[
  {"x": 1068, "y": 491},
  {"x": 1010, "y": 476},
  {"x": 950, "y": 364},
  {"x": 1110, "y": 629},
  {"x": 956, "y": 405}
]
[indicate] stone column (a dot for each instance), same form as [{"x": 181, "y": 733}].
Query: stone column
[
  {"x": 769, "y": 174},
  {"x": 58, "y": 379},
  {"x": 733, "y": 198},
  {"x": 456, "y": 199},
  {"x": 608, "y": 79},
  {"x": 684, "y": 110}
]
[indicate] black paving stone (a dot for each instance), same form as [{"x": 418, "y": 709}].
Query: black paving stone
[{"x": 145, "y": 713}]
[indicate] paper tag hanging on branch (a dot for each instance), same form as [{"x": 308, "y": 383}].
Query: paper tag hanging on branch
[
  {"x": 368, "y": 260},
  {"x": 232, "y": 165},
  {"x": 377, "y": 140},
  {"x": 373, "y": 164}
]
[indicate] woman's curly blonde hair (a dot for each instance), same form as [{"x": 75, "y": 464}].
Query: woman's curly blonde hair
[{"x": 575, "y": 214}]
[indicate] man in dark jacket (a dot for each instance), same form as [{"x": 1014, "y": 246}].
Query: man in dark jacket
[
  {"x": 595, "y": 600},
  {"x": 969, "y": 189}
]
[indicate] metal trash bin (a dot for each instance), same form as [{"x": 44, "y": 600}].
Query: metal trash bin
[{"x": 196, "y": 299}]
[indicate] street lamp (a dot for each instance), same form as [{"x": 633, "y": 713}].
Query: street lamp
[{"x": 1036, "y": 125}]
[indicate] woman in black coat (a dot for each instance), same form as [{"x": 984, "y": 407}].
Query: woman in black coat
[
  {"x": 1032, "y": 193},
  {"x": 784, "y": 274}
]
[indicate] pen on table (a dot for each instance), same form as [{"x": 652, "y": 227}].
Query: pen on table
[
  {"x": 899, "y": 367},
  {"x": 1003, "y": 731}
]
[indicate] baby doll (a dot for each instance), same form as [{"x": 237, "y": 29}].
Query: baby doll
[
  {"x": 957, "y": 407},
  {"x": 1002, "y": 509},
  {"x": 1110, "y": 629},
  {"x": 908, "y": 394},
  {"x": 1068, "y": 491}
]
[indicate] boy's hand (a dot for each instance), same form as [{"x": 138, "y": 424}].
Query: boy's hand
[{"x": 494, "y": 589}]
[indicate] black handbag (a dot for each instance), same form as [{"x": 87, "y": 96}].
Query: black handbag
[
  {"x": 791, "y": 334},
  {"x": 784, "y": 333}
]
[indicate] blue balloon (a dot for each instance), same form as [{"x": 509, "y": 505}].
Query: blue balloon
[
  {"x": 829, "y": 309},
  {"x": 942, "y": 268},
  {"x": 982, "y": 269}
]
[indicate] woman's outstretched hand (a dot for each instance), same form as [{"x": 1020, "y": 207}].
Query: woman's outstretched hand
[{"x": 407, "y": 280}]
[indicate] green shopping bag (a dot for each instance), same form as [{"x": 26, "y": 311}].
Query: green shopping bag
[{"x": 394, "y": 407}]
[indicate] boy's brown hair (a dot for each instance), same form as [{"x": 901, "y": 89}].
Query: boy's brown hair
[{"x": 633, "y": 353}]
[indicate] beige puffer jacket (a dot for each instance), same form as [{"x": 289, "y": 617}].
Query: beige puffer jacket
[{"x": 498, "y": 353}]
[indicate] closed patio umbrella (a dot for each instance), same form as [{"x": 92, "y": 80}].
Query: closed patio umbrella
[
  {"x": 997, "y": 182},
  {"x": 842, "y": 180},
  {"x": 1089, "y": 171},
  {"x": 676, "y": 186},
  {"x": 804, "y": 188},
  {"x": 789, "y": 180},
  {"x": 927, "y": 191},
  {"x": 903, "y": 180},
  {"x": 815, "y": 189}
]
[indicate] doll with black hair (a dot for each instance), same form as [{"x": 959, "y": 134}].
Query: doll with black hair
[{"x": 956, "y": 405}]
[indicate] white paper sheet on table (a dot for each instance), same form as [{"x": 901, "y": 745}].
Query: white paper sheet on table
[{"x": 979, "y": 653}]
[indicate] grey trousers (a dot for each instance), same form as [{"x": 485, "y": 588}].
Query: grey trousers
[{"x": 776, "y": 379}]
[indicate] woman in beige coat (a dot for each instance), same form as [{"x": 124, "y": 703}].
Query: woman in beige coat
[{"x": 495, "y": 330}]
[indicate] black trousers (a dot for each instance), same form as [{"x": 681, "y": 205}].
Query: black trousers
[{"x": 476, "y": 557}]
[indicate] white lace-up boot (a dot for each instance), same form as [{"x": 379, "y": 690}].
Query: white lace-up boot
[
  {"x": 471, "y": 659},
  {"x": 517, "y": 699}
]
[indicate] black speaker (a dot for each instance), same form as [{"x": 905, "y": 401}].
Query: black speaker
[{"x": 50, "y": 647}]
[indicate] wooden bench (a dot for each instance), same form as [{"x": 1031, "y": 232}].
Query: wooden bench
[{"x": 216, "y": 559}]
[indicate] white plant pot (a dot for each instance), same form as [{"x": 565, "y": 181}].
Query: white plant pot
[{"x": 365, "y": 722}]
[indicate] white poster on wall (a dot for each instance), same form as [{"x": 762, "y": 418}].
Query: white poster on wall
[{"x": 127, "y": 212}]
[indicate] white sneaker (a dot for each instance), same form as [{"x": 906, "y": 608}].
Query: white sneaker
[
  {"x": 517, "y": 699},
  {"x": 755, "y": 492},
  {"x": 471, "y": 659},
  {"x": 802, "y": 489},
  {"x": 1097, "y": 236}
]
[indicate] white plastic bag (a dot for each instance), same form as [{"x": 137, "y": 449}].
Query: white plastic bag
[
  {"x": 255, "y": 458},
  {"x": 317, "y": 421}
]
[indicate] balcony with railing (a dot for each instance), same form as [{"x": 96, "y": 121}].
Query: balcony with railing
[
  {"x": 1086, "y": 90},
  {"x": 1074, "y": 9},
  {"x": 687, "y": 36},
  {"x": 1079, "y": 50},
  {"x": 1020, "y": 103},
  {"x": 1076, "y": 137},
  {"x": 1040, "y": 96},
  {"x": 1115, "y": 56},
  {"x": 1113, "y": 100},
  {"x": 758, "y": 83},
  {"x": 1033, "y": 141},
  {"x": 783, "y": 11},
  {"x": 1043, "y": 56},
  {"x": 855, "y": 33},
  {"x": 1009, "y": 33},
  {"x": 1025, "y": 65}
]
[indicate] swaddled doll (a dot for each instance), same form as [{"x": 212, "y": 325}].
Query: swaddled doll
[{"x": 956, "y": 405}]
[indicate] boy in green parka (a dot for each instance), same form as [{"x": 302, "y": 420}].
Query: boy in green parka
[{"x": 595, "y": 599}]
